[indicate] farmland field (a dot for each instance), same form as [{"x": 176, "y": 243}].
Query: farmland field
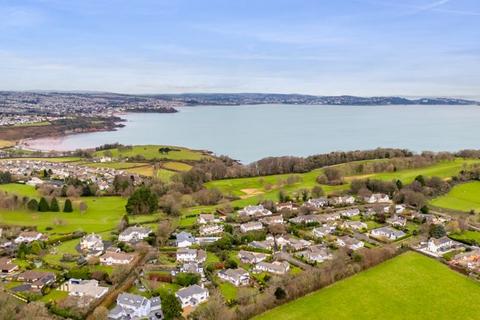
[
  {"x": 410, "y": 286},
  {"x": 177, "y": 166},
  {"x": 150, "y": 152},
  {"x": 463, "y": 197}
]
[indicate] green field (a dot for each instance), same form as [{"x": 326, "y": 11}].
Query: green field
[
  {"x": 102, "y": 214},
  {"x": 177, "y": 166},
  {"x": 113, "y": 165},
  {"x": 410, "y": 286},
  {"x": 463, "y": 197},
  {"x": 151, "y": 152}
]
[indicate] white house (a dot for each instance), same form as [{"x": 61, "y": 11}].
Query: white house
[
  {"x": 210, "y": 229},
  {"x": 192, "y": 296},
  {"x": 191, "y": 255},
  {"x": 387, "y": 233},
  {"x": 397, "y": 221},
  {"x": 92, "y": 244},
  {"x": 377, "y": 198},
  {"x": 275, "y": 267},
  {"x": 342, "y": 200},
  {"x": 133, "y": 307},
  {"x": 134, "y": 234},
  {"x": 350, "y": 242},
  {"x": 251, "y": 226},
  {"x": 272, "y": 220},
  {"x": 116, "y": 258},
  {"x": 316, "y": 254},
  {"x": 205, "y": 218},
  {"x": 237, "y": 277},
  {"x": 317, "y": 203},
  {"x": 251, "y": 257},
  {"x": 84, "y": 288},
  {"x": 34, "y": 181},
  {"x": 441, "y": 245},
  {"x": 354, "y": 225},
  {"x": 185, "y": 239},
  {"x": 28, "y": 236},
  {"x": 320, "y": 232},
  {"x": 250, "y": 211},
  {"x": 350, "y": 213}
]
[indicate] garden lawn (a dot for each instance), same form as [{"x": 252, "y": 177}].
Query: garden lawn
[
  {"x": 410, "y": 286},
  {"x": 463, "y": 197},
  {"x": 228, "y": 290},
  {"x": 150, "y": 152}
]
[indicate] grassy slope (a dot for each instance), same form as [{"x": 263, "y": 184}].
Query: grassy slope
[
  {"x": 103, "y": 213},
  {"x": 177, "y": 166},
  {"x": 410, "y": 286},
  {"x": 151, "y": 152},
  {"x": 463, "y": 197}
]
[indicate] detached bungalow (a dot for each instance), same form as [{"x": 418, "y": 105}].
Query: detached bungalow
[
  {"x": 134, "y": 234},
  {"x": 387, "y": 233},
  {"x": 237, "y": 277},
  {"x": 28, "y": 236},
  {"x": 192, "y": 296},
  {"x": 350, "y": 242},
  {"x": 251, "y": 257},
  {"x": 257, "y": 211},
  {"x": 112, "y": 258},
  {"x": 275, "y": 267},
  {"x": 251, "y": 226}
]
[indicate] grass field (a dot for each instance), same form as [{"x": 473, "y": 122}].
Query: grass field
[
  {"x": 467, "y": 235},
  {"x": 102, "y": 214},
  {"x": 151, "y": 152},
  {"x": 113, "y": 165},
  {"x": 165, "y": 175},
  {"x": 177, "y": 166},
  {"x": 463, "y": 197},
  {"x": 410, "y": 286},
  {"x": 58, "y": 159}
]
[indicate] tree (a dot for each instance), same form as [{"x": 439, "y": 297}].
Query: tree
[
  {"x": 317, "y": 192},
  {"x": 164, "y": 229},
  {"x": 43, "y": 205},
  {"x": 54, "y": 207},
  {"x": 187, "y": 279},
  {"x": 34, "y": 310},
  {"x": 171, "y": 306},
  {"x": 142, "y": 201},
  {"x": 280, "y": 294},
  {"x": 82, "y": 207},
  {"x": 67, "y": 207},
  {"x": 437, "y": 231},
  {"x": 32, "y": 205},
  {"x": 100, "y": 313}
]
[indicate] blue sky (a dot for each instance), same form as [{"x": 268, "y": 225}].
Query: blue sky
[{"x": 324, "y": 47}]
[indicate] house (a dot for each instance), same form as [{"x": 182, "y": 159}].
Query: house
[
  {"x": 306, "y": 219},
  {"x": 286, "y": 206},
  {"x": 92, "y": 244},
  {"x": 317, "y": 203},
  {"x": 440, "y": 246},
  {"x": 134, "y": 234},
  {"x": 192, "y": 296},
  {"x": 316, "y": 254},
  {"x": 34, "y": 182},
  {"x": 185, "y": 239},
  {"x": 264, "y": 245},
  {"x": 298, "y": 244},
  {"x": 387, "y": 233},
  {"x": 275, "y": 267},
  {"x": 7, "y": 267},
  {"x": 400, "y": 208},
  {"x": 251, "y": 257},
  {"x": 210, "y": 229},
  {"x": 190, "y": 255},
  {"x": 350, "y": 213},
  {"x": 320, "y": 232},
  {"x": 468, "y": 260},
  {"x": 329, "y": 217},
  {"x": 377, "y": 198},
  {"x": 134, "y": 307},
  {"x": 342, "y": 200},
  {"x": 250, "y": 211},
  {"x": 37, "y": 279},
  {"x": 84, "y": 288},
  {"x": 350, "y": 243},
  {"x": 237, "y": 277},
  {"x": 397, "y": 221},
  {"x": 116, "y": 258},
  {"x": 205, "y": 218},
  {"x": 354, "y": 225},
  {"x": 272, "y": 220},
  {"x": 191, "y": 267},
  {"x": 28, "y": 236},
  {"x": 251, "y": 226}
]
